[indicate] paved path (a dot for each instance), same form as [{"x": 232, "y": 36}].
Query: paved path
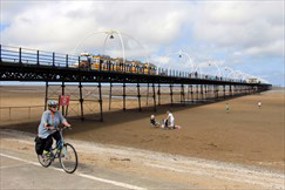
[
  {"x": 20, "y": 173},
  {"x": 112, "y": 167}
]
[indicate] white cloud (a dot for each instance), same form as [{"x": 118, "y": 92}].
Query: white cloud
[
  {"x": 228, "y": 30},
  {"x": 241, "y": 24},
  {"x": 163, "y": 60},
  {"x": 274, "y": 48},
  {"x": 61, "y": 25}
]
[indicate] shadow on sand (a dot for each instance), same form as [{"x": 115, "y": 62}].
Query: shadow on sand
[{"x": 111, "y": 118}]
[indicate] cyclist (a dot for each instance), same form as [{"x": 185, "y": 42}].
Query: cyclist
[{"x": 51, "y": 119}]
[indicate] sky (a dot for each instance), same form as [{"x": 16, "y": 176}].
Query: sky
[{"x": 235, "y": 38}]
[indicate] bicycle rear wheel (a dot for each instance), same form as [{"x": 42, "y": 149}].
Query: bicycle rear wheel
[
  {"x": 44, "y": 160},
  {"x": 68, "y": 158}
]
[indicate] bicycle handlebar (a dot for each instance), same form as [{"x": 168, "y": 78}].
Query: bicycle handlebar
[{"x": 60, "y": 128}]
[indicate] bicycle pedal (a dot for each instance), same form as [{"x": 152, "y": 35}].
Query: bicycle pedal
[
  {"x": 57, "y": 155},
  {"x": 45, "y": 158}
]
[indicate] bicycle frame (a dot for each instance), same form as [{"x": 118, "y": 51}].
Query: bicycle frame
[
  {"x": 55, "y": 155},
  {"x": 67, "y": 156}
]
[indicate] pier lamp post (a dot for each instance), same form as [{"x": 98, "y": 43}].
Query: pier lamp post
[
  {"x": 182, "y": 53},
  {"x": 213, "y": 63},
  {"x": 229, "y": 72},
  {"x": 109, "y": 35},
  {"x": 194, "y": 70}
]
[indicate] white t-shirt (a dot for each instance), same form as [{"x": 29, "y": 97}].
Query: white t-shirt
[{"x": 171, "y": 120}]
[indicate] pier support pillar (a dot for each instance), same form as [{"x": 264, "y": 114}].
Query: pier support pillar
[
  {"x": 62, "y": 93},
  {"x": 110, "y": 95},
  {"x": 205, "y": 92},
  {"x": 46, "y": 96},
  {"x": 100, "y": 101},
  {"x": 197, "y": 92},
  {"x": 191, "y": 89},
  {"x": 124, "y": 96},
  {"x": 182, "y": 94},
  {"x": 159, "y": 93},
  {"x": 139, "y": 97},
  {"x": 147, "y": 94},
  {"x": 154, "y": 96},
  {"x": 81, "y": 101},
  {"x": 171, "y": 94},
  {"x": 201, "y": 92}
]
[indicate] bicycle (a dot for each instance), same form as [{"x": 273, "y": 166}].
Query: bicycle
[{"x": 67, "y": 155}]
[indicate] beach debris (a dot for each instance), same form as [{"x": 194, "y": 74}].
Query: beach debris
[
  {"x": 213, "y": 145},
  {"x": 120, "y": 159},
  {"x": 24, "y": 148}
]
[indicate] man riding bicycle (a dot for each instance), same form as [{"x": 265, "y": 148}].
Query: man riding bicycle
[{"x": 50, "y": 121}]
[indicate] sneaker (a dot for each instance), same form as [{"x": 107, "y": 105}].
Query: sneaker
[{"x": 46, "y": 154}]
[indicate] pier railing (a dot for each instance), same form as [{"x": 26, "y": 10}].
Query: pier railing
[
  {"x": 20, "y": 112},
  {"x": 30, "y": 56}
]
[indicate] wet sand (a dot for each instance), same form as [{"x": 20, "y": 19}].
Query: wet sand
[{"x": 245, "y": 135}]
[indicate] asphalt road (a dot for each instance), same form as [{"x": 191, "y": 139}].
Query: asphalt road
[
  {"x": 104, "y": 167},
  {"x": 20, "y": 172}
]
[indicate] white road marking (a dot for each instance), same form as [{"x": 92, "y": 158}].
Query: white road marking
[
  {"x": 116, "y": 183},
  {"x": 13, "y": 166}
]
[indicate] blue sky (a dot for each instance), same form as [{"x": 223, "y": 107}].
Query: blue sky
[{"x": 247, "y": 36}]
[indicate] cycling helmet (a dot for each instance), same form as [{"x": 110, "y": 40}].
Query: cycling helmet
[{"x": 52, "y": 103}]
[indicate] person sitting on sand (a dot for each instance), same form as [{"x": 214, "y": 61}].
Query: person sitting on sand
[
  {"x": 259, "y": 104},
  {"x": 169, "y": 122},
  {"x": 153, "y": 121},
  {"x": 164, "y": 124}
]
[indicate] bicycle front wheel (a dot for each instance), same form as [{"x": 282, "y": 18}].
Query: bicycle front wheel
[{"x": 68, "y": 158}]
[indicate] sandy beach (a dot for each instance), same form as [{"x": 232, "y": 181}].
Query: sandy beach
[
  {"x": 241, "y": 149},
  {"x": 246, "y": 135}
]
